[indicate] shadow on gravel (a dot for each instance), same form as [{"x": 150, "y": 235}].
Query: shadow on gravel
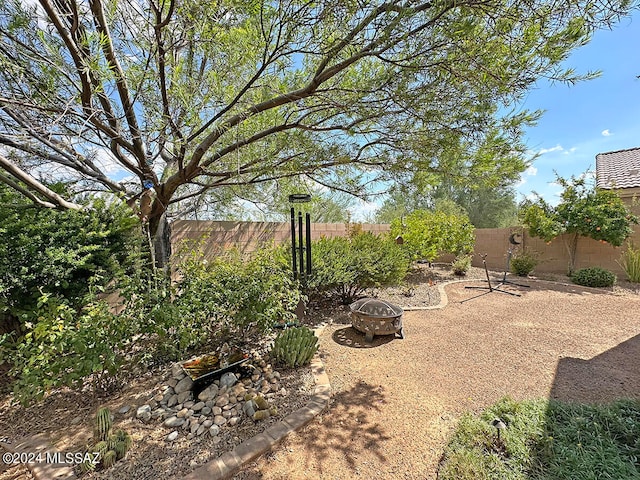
[
  {"x": 344, "y": 430},
  {"x": 611, "y": 375},
  {"x": 350, "y": 337}
]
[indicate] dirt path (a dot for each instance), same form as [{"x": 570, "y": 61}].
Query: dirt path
[{"x": 397, "y": 401}]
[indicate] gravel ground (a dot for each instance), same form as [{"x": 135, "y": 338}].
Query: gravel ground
[{"x": 397, "y": 402}]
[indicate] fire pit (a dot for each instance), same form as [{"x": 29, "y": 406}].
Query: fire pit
[{"x": 376, "y": 317}]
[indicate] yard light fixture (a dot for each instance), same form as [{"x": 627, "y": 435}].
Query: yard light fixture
[{"x": 500, "y": 425}]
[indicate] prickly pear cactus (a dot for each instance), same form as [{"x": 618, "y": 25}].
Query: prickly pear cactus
[{"x": 295, "y": 346}]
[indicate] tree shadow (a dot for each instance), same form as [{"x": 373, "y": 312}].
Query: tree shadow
[
  {"x": 343, "y": 430},
  {"x": 350, "y": 337}
]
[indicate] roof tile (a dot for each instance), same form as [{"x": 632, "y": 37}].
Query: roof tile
[{"x": 619, "y": 169}]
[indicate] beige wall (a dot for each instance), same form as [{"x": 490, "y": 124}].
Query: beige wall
[{"x": 247, "y": 236}]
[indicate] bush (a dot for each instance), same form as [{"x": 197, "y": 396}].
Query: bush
[
  {"x": 594, "y": 277},
  {"x": 230, "y": 295},
  {"x": 630, "y": 262},
  {"x": 523, "y": 263},
  {"x": 46, "y": 251},
  {"x": 428, "y": 235},
  {"x": 461, "y": 265},
  {"x": 347, "y": 266}
]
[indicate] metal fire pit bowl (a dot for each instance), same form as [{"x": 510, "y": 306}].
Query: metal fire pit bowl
[{"x": 376, "y": 317}]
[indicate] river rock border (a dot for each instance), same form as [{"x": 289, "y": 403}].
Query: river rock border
[{"x": 231, "y": 462}]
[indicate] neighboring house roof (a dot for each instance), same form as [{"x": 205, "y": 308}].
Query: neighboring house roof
[{"x": 620, "y": 169}]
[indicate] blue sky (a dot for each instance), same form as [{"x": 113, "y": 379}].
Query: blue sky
[{"x": 588, "y": 118}]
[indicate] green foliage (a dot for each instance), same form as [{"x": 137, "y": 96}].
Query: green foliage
[
  {"x": 62, "y": 346},
  {"x": 593, "y": 277},
  {"x": 294, "y": 347},
  {"x": 46, "y": 251},
  {"x": 461, "y": 265},
  {"x": 523, "y": 263},
  {"x": 546, "y": 440},
  {"x": 347, "y": 266},
  {"x": 110, "y": 446},
  {"x": 583, "y": 211},
  {"x": 233, "y": 295},
  {"x": 428, "y": 235},
  {"x": 630, "y": 262}
]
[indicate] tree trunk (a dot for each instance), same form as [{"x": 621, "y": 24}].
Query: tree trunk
[
  {"x": 572, "y": 247},
  {"x": 160, "y": 236}
]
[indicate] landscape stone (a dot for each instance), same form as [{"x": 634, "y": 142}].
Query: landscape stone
[
  {"x": 233, "y": 421},
  {"x": 183, "y": 413},
  {"x": 174, "y": 422},
  {"x": 205, "y": 410},
  {"x": 172, "y": 382},
  {"x": 183, "y": 385},
  {"x": 173, "y": 400},
  {"x": 144, "y": 413},
  {"x": 249, "y": 408},
  {"x": 188, "y": 404},
  {"x": 222, "y": 401},
  {"x": 184, "y": 396},
  {"x": 227, "y": 414},
  {"x": 197, "y": 407},
  {"x": 214, "y": 430},
  {"x": 229, "y": 379},
  {"x": 124, "y": 410},
  {"x": 201, "y": 430},
  {"x": 216, "y": 411},
  {"x": 219, "y": 420},
  {"x": 177, "y": 372},
  {"x": 172, "y": 436},
  {"x": 207, "y": 423},
  {"x": 209, "y": 403},
  {"x": 194, "y": 427}
]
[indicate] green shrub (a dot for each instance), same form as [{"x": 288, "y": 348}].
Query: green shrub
[
  {"x": 630, "y": 262},
  {"x": 347, "y": 266},
  {"x": 46, "y": 251},
  {"x": 295, "y": 346},
  {"x": 593, "y": 277},
  {"x": 232, "y": 295},
  {"x": 428, "y": 235},
  {"x": 461, "y": 265},
  {"x": 523, "y": 263},
  {"x": 63, "y": 347}
]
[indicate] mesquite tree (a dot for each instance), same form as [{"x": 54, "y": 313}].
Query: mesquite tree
[{"x": 162, "y": 101}]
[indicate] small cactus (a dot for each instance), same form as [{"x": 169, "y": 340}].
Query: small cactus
[
  {"x": 122, "y": 443},
  {"x": 261, "y": 415},
  {"x": 109, "y": 459},
  {"x": 87, "y": 466},
  {"x": 295, "y": 346},
  {"x": 261, "y": 403},
  {"x": 103, "y": 424},
  {"x": 101, "y": 448}
]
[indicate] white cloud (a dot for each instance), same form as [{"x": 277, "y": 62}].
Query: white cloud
[
  {"x": 364, "y": 210},
  {"x": 571, "y": 150},
  {"x": 606, "y": 133},
  {"x": 531, "y": 171},
  {"x": 557, "y": 148}
]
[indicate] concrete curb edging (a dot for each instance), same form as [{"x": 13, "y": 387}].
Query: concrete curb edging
[
  {"x": 39, "y": 444},
  {"x": 231, "y": 462}
]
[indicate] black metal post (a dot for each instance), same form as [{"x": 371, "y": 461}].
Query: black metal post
[
  {"x": 300, "y": 244},
  {"x": 308, "y": 242},
  {"x": 294, "y": 252}
]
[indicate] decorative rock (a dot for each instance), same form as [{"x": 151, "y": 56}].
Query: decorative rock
[
  {"x": 177, "y": 372},
  {"x": 209, "y": 403},
  {"x": 197, "y": 407},
  {"x": 183, "y": 385},
  {"x": 158, "y": 397},
  {"x": 144, "y": 413},
  {"x": 255, "y": 377},
  {"x": 238, "y": 390},
  {"x": 201, "y": 430},
  {"x": 208, "y": 393},
  {"x": 227, "y": 414},
  {"x": 282, "y": 391},
  {"x": 277, "y": 375},
  {"x": 205, "y": 410},
  {"x": 172, "y": 382},
  {"x": 184, "y": 396},
  {"x": 207, "y": 423},
  {"x": 124, "y": 410},
  {"x": 233, "y": 421},
  {"x": 216, "y": 411},
  {"x": 216, "y": 440},
  {"x": 229, "y": 379},
  {"x": 173, "y": 400},
  {"x": 172, "y": 436},
  {"x": 222, "y": 401},
  {"x": 174, "y": 422},
  {"x": 183, "y": 413},
  {"x": 189, "y": 404},
  {"x": 76, "y": 421},
  {"x": 194, "y": 427},
  {"x": 227, "y": 407},
  {"x": 219, "y": 420},
  {"x": 214, "y": 430}
]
